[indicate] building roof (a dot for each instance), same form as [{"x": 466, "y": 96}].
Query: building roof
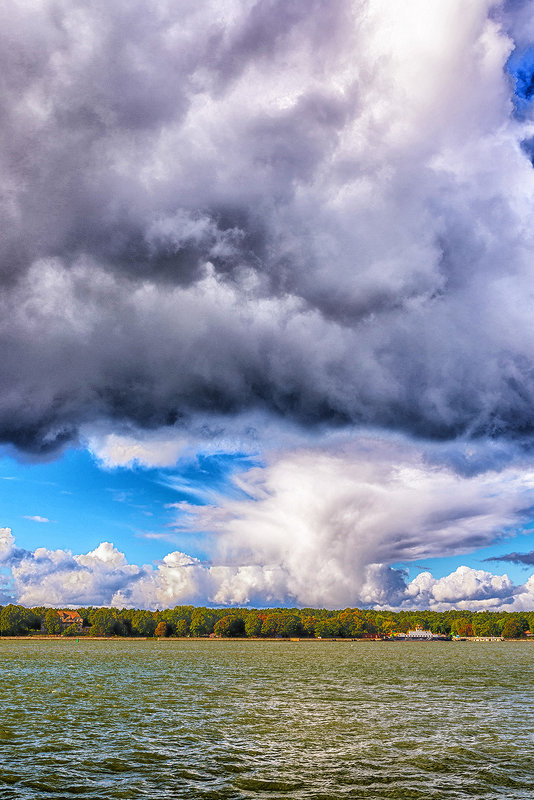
[{"x": 67, "y": 614}]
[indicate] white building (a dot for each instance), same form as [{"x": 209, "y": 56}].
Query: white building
[{"x": 419, "y": 633}]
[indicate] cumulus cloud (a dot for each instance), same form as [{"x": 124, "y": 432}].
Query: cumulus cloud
[
  {"x": 9, "y": 554},
  {"x": 57, "y": 578},
  {"x": 103, "y": 577},
  {"x": 464, "y": 588},
  {"x": 318, "y": 212},
  {"x": 313, "y": 527},
  {"x": 334, "y": 520}
]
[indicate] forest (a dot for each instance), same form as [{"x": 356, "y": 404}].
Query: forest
[{"x": 191, "y": 621}]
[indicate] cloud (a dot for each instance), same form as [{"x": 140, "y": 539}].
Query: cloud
[
  {"x": 57, "y": 578},
  {"x": 9, "y": 554},
  {"x": 316, "y": 526},
  {"x": 247, "y": 433},
  {"x": 273, "y": 226},
  {"x": 320, "y": 214},
  {"x": 103, "y": 577},
  {"x": 515, "y": 558},
  {"x": 37, "y": 518},
  {"x": 464, "y": 588},
  {"x": 333, "y": 520}
]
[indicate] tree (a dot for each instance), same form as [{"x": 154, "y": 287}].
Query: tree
[
  {"x": 16, "y": 620},
  {"x": 105, "y": 622},
  {"x": 253, "y": 624},
  {"x": 143, "y": 623},
  {"x": 461, "y": 627},
  {"x": 327, "y": 628},
  {"x": 201, "y": 622},
  {"x": 513, "y": 628},
  {"x": 387, "y": 626},
  {"x": 308, "y": 625},
  {"x": 72, "y": 630},
  {"x": 230, "y": 625},
  {"x": 271, "y": 625},
  {"x": 352, "y": 623},
  {"x": 85, "y": 614},
  {"x": 181, "y": 628},
  {"x": 281, "y": 623},
  {"x": 486, "y": 627},
  {"x": 161, "y": 629},
  {"x": 52, "y": 622}
]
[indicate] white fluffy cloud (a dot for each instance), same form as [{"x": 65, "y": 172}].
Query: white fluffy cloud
[
  {"x": 209, "y": 433},
  {"x": 316, "y": 527},
  {"x": 464, "y": 588},
  {"x": 329, "y": 516},
  {"x": 56, "y": 577},
  {"x": 103, "y": 577},
  {"x": 7, "y": 545}
]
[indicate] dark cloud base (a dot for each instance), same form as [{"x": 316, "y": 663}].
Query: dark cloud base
[
  {"x": 515, "y": 558},
  {"x": 205, "y": 213}
]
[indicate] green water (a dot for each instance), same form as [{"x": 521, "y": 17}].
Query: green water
[{"x": 260, "y": 719}]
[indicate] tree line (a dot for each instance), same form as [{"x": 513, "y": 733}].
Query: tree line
[{"x": 192, "y": 621}]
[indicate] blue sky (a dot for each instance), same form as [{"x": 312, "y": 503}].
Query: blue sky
[
  {"x": 521, "y": 67},
  {"x": 84, "y": 504},
  {"x": 266, "y": 304}
]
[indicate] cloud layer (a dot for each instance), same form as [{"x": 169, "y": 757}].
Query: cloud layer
[
  {"x": 312, "y": 528},
  {"x": 317, "y": 211},
  {"x": 103, "y": 577},
  {"x": 274, "y": 224}
]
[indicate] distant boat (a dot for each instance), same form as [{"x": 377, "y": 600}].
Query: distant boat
[{"x": 419, "y": 634}]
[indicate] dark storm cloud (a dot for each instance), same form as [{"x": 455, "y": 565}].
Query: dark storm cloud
[
  {"x": 305, "y": 209},
  {"x": 515, "y": 558}
]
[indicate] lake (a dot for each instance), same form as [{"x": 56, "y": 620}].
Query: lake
[{"x": 321, "y": 720}]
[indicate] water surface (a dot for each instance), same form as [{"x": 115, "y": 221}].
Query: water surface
[{"x": 321, "y": 720}]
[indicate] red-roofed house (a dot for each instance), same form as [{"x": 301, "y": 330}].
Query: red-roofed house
[{"x": 68, "y": 618}]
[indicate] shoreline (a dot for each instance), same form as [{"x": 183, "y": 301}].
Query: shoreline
[{"x": 244, "y": 639}]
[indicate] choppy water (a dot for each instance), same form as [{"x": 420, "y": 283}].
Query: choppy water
[{"x": 259, "y": 719}]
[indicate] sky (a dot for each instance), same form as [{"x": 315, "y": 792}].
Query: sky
[{"x": 267, "y": 280}]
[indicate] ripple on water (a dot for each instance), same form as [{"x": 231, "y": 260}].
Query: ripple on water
[{"x": 232, "y": 721}]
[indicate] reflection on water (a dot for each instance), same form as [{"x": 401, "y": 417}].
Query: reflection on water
[{"x": 260, "y": 719}]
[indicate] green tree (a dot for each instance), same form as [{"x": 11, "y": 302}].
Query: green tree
[
  {"x": 513, "y": 628},
  {"x": 16, "y": 620},
  {"x": 523, "y": 621},
  {"x": 327, "y": 628},
  {"x": 105, "y": 622},
  {"x": 253, "y": 624},
  {"x": 143, "y": 623},
  {"x": 201, "y": 622},
  {"x": 485, "y": 626},
  {"x": 52, "y": 622},
  {"x": 308, "y": 625},
  {"x": 230, "y": 625},
  {"x": 181, "y": 628},
  {"x": 352, "y": 623},
  {"x": 85, "y": 614}
]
